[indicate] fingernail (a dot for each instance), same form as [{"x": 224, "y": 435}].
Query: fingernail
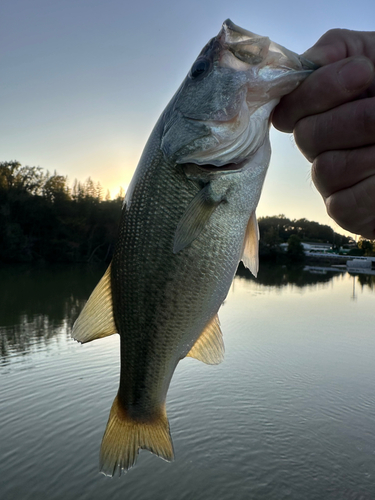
[{"x": 356, "y": 74}]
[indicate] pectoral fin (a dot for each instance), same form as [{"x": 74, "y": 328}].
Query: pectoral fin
[
  {"x": 250, "y": 253},
  {"x": 96, "y": 318},
  {"x": 195, "y": 218},
  {"x": 209, "y": 347}
]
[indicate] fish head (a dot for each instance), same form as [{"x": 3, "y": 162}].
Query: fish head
[{"x": 220, "y": 115}]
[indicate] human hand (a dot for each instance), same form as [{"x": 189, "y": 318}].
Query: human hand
[{"x": 332, "y": 115}]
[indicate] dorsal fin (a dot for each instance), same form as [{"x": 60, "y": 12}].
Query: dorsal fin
[
  {"x": 209, "y": 347},
  {"x": 96, "y": 318},
  {"x": 250, "y": 252}
]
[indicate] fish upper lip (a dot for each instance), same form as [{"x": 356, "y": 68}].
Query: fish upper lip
[{"x": 259, "y": 51}]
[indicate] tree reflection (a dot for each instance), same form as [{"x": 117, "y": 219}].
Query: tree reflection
[
  {"x": 280, "y": 276},
  {"x": 365, "y": 280},
  {"x": 36, "y": 304}
]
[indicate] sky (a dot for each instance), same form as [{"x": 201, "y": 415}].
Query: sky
[{"x": 83, "y": 82}]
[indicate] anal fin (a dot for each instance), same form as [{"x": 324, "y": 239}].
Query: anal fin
[
  {"x": 96, "y": 319},
  {"x": 124, "y": 437},
  {"x": 209, "y": 347}
]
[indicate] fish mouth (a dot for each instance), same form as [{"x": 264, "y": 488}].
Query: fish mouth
[
  {"x": 223, "y": 131},
  {"x": 256, "y": 50},
  {"x": 211, "y": 168}
]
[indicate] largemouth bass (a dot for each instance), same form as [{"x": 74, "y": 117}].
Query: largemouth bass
[{"x": 187, "y": 221}]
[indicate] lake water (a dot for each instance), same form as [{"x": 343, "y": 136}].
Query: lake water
[{"x": 289, "y": 414}]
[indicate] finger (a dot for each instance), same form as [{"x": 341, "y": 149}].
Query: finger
[
  {"x": 326, "y": 88},
  {"x": 337, "y": 44},
  {"x": 334, "y": 171},
  {"x": 351, "y": 125},
  {"x": 354, "y": 208}
]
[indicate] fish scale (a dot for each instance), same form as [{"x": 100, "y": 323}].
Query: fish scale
[{"x": 188, "y": 219}]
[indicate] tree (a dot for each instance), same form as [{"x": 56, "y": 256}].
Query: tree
[
  {"x": 22, "y": 179},
  {"x": 367, "y": 247},
  {"x": 8, "y": 173},
  {"x": 295, "y": 248},
  {"x": 283, "y": 228},
  {"x": 42, "y": 219},
  {"x": 120, "y": 195},
  {"x": 99, "y": 192},
  {"x": 55, "y": 187}
]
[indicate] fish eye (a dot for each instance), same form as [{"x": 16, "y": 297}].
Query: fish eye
[{"x": 200, "y": 67}]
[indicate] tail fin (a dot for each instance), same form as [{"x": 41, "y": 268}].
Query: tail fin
[{"x": 124, "y": 437}]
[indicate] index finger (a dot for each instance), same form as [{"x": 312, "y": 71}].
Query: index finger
[
  {"x": 338, "y": 44},
  {"x": 326, "y": 88}
]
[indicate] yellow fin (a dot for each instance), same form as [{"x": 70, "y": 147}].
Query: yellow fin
[
  {"x": 209, "y": 347},
  {"x": 250, "y": 252},
  {"x": 96, "y": 318},
  {"x": 124, "y": 437}
]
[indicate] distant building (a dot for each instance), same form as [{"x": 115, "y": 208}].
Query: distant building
[
  {"x": 361, "y": 263},
  {"x": 311, "y": 248},
  {"x": 316, "y": 247}
]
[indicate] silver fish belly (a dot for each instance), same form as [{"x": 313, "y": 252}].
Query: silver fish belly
[{"x": 188, "y": 219}]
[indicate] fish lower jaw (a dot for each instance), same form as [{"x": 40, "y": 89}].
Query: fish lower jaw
[{"x": 235, "y": 166}]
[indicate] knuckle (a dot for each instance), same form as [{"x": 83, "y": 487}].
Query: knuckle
[
  {"x": 350, "y": 203},
  {"x": 353, "y": 208},
  {"x": 324, "y": 171},
  {"x": 343, "y": 39},
  {"x": 334, "y": 34},
  {"x": 282, "y": 118},
  {"x": 340, "y": 209},
  {"x": 307, "y": 134},
  {"x": 337, "y": 44},
  {"x": 334, "y": 43},
  {"x": 302, "y": 136},
  {"x": 334, "y": 206}
]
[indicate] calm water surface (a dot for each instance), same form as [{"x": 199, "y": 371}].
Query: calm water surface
[{"x": 289, "y": 414}]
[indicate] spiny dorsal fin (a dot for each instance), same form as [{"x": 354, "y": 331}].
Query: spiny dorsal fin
[
  {"x": 195, "y": 218},
  {"x": 209, "y": 347},
  {"x": 124, "y": 437},
  {"x": 250, "y": 253},
  {"x": 96, "y": 318}
]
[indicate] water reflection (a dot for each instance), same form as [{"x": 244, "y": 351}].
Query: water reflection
[
  {"x": 281, "y": 276},
  {"x": 290, "y": 413},
  {"x": 365, "y": 280},
  {"x": 37, "y": 304}
]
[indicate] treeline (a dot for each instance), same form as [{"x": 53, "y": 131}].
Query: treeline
[
  {"x": 43, "y": 219},
  {"x": 279, "y": 229}
]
